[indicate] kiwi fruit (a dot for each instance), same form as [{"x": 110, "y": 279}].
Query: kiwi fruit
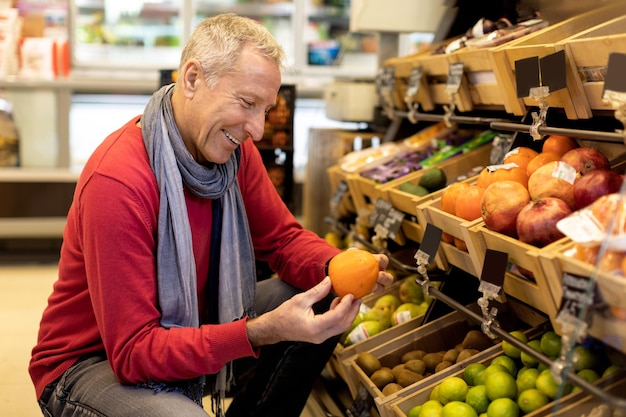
[
  {"x": 443, "y": 365},
  {"x": 391, "y": 388},
  {"x": 416, "y": 365},
  {"x": 451, "y": 355},
  {"x": 396, "y": 370},
  {"x": 406, "y": 378},
  {"x": 382, "y": 377},
  {"x": 431, "y": 360},
  {"x": 368, "y": 363},
  {"x": 476, "y": 339},
  {"x": 466, "y": 353},
  {"x": 412, "y": 354}
]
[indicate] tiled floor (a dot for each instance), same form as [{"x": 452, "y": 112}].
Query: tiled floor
[{"x": 24, "y": 289}]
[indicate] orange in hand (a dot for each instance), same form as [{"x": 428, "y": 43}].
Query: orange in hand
[{"x": 354, "y": 271}]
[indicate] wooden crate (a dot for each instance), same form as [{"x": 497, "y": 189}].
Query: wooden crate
[
  {"x": 540, "y": 44},
  {"x": 524, "y": 259},
  {"x": 448, "y": 253},
  {"x": 441, "y": 334},
  {"x": 612, "y": 287},
  {"x": 566, "y": 406},
  {"x": 435, "y": 69},
  {"x": 335, "y": 176},
  {"x": 339, "y": 361},
  {"x": 482, "y": 83},
  {"x": 590, "y": 49}
]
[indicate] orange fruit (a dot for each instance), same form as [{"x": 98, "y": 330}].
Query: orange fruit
[
  {"x": 558, "y": 144},
  {"x": 467, "y": 205},
  {"x": 520, "y": 156},
  {"x": 496, "y": 173},
  {"x": 540, "y": 160},
  {"x": 450, "y": 194},
  {"x": 354, "y": 271}
]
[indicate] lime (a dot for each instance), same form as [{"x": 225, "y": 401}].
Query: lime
[
  {"x": 431, "y": 408},
  {"x": 481, "y": 377},
  {"x": 452, "y": 388},
  {"x": 414, "y": 411},
  {"x": 588, "y": 375},
  {"x": 531, "y": 400},
  {"x": 507, "y": 362},
  {"x": 526, "y": 379},
  {"x": 503, "y": 407},
  {"x": 550, "y": 344},
  {"x": 509, "y": 349},
  {"x": 583, "y": 358},
  {"x": 458, "y": 409},
  {"x": 612, "y": 369},
  {"x": 471, "y": 370},
  {"x": 547, "y": 384},
  {"x": 528, "y": 360},
  {"x": 501, "y": 385},
  {"x": 477, "y": 398},
  {"x": 434, "y": 394}
]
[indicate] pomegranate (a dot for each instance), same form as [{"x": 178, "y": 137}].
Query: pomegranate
[
  {"x": 585, "y": 159},
  {"x": 500, "y": 205},
  {"x": 594, "y": 184},
  {"x": 554, "y": 179},
  {"x": 536, "y": 222}
]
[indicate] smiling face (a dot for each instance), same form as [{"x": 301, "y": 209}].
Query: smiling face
[{"x": 214, "y": 121}]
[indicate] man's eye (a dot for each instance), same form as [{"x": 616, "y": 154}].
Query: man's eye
[{"x": 247, "y": 103}]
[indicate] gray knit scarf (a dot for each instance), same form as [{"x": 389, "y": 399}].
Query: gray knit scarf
[{"x": 174, "y": 167}]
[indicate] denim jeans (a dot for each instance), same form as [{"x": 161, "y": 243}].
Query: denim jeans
[{"x": 278, "y": 383}]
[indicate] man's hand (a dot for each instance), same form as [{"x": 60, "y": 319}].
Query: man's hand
[
  {"x": 295, "y": 320},
  {"x": 385, "y": 279}
]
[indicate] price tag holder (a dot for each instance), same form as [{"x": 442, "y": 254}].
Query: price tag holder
[
  {"x": 337, "y": 197},
  {"x": 579, "y": 294},
  {"x": 386, "y": 218},
  {"x": 385, "y": 87},
  {"x": 414, "y": 83},
  {"x": 455, "y": 77}
]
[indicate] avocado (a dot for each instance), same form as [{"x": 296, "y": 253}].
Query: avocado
[{"x": 433, "y": 179}]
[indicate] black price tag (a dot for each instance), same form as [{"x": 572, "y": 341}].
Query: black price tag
[
  {"x": 387, "y": 217},
  {"x": 548, "y": 71},
  {"x": 455, "y": 77},
  {"x": 579, "y": 293},
  {"x": 527, "y": 75},
  {"x": 615, "y": 80},
  {"x": 337, "y": 197},
  {"x": 430, "y": 241},
  {"x": 415, "y": 80},
  {"x": 553, "y": 71},
  {"x": 494, "y": 268}
]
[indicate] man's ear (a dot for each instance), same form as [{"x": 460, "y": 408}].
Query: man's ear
[{"x": 191, "y": 78}]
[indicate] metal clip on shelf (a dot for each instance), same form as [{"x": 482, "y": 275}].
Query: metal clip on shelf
[{"x": 545, "y": 130}]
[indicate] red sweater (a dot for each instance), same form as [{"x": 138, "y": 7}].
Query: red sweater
[{"x": 105, "y": 297}]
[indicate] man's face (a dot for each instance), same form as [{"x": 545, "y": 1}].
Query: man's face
[{"x": 217, "y": 121}]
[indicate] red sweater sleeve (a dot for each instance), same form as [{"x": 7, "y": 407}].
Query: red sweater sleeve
[{"x": 299, "y": 256}]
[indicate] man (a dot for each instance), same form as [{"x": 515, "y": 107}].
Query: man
[{"x": 156, "y": 285}]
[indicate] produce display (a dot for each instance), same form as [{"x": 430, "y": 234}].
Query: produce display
[
  {"x": 512, "y": 383},
  {"x": 415, "y": 365},
  {"x": 388, "y": 310},
  {"x": 443, "y": 146},
  {"x": 557, "y": 181}
]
